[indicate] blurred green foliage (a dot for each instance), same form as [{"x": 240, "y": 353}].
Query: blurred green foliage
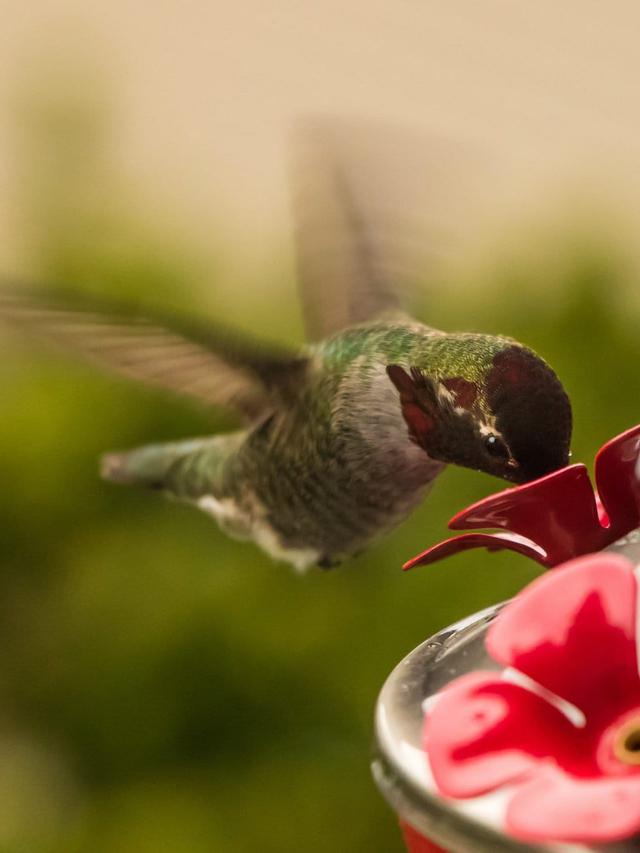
[{"x": 165, "y": 689}]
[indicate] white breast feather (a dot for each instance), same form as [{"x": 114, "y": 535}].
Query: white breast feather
[{"x": 238, "y": 524}]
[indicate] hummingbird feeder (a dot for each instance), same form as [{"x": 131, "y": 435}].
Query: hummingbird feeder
[{"x": 518, "y": 728}]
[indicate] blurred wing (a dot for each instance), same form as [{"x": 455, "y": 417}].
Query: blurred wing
[
  {"x": 341, "y": 274},
  {"x": 199, "y": 361},
  {"x": 374, "y": 205}
]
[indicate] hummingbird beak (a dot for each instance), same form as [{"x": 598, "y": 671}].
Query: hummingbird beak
[{"x": 512, "y": 471}]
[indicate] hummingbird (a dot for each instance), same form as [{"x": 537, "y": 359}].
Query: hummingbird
[{"x": 341, "y": 439}]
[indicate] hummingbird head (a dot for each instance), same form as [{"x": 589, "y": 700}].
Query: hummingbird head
[{"x": 511, "y": 419}]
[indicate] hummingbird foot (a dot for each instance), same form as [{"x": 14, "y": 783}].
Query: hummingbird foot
[{"x": 326, "y": 562}]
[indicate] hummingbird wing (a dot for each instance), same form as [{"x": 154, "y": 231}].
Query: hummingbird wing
[
  {"x": 363, "y": 199},
  {"x": 208, "y": 363},
  {"x": 340, "y": 275}
]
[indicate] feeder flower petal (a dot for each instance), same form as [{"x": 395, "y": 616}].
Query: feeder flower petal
[
  {"x": 560, "y": 725},
  {"x": 579, "y": 642},
  {"x": 485, "y": 732},
  {"x": 576, "y": 809},
  {"x": 558, "y": 516}
]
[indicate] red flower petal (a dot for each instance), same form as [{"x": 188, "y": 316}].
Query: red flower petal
[
  {"x": 483, "y": 732},
  {"x": 535, "y": 509},
  {"x": 617, "y": 481},
  {"x": 490, "y": 541},
  {"x": 556, "y": 806},
  {"x": 556, "y": 516},
  {"x": 573, "y": 631}
]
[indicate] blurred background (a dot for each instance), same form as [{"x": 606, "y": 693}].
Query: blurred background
[{"x": 161, "y": 687}]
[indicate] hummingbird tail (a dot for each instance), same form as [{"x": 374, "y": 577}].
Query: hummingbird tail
[
  {"x": 146, "y": 466},
  {"x": 186, "y": 469},
  {"x": 115, "y": 468},
  {"x": 134, "y": 468}
]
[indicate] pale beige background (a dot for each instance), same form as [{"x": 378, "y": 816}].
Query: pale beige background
[{"x": 202, "y": 94}]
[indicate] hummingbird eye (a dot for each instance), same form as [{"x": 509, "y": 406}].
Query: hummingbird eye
[{"x": 496, "y": 447}]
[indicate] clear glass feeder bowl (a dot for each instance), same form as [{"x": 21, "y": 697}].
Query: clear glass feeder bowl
[{"x": 400, "y": 766}]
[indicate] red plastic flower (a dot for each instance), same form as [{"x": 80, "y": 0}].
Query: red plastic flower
[
  {"x": 561, "y": 725},
  {"x": 558, "y": 516}
]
